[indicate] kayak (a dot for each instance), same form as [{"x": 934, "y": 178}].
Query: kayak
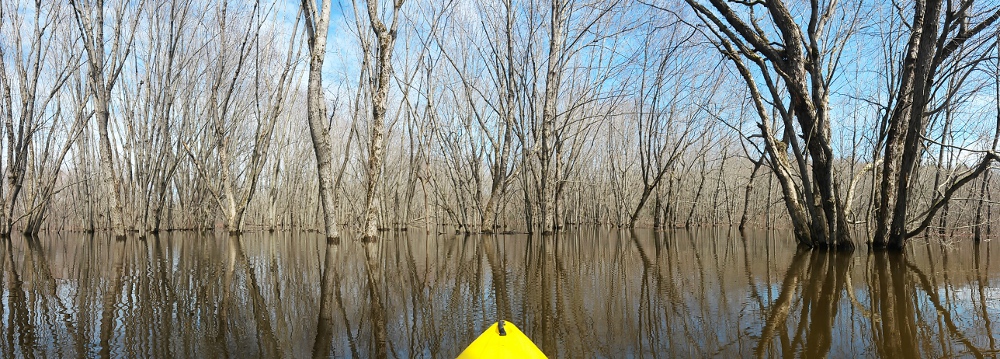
[{"x": 502, "y": 340}]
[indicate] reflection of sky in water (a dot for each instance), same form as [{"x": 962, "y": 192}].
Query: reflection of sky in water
[{"x": 969, "y": 296}]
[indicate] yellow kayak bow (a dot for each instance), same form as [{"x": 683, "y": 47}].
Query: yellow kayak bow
[{"x": 502, "y": 340}]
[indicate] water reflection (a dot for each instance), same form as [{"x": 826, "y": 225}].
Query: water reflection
[
  {"x": 589, "y": 293},
  {"x": 329, "y": 297},
  {"x": 815, "y": 281}
]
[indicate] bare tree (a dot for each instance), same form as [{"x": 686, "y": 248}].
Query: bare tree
[
  {"x": 493, "y": 101},
  {"x": 231, "y": 75},
  {"x": 317, "y": 23},
  {"x": 104, "y": 68},
  {"x": 670, "y": 100},
  {"x": 42, "y": 63},
  {"x": 159, "y": 108},
  {"x": 504, "y": 116},
  {"x": 556, "y": 60},
  {"x": 939, "y": 34},
  {"x": 801, "y": 63},
  {"x": 983, "y": 194},
  {"x": 385, "y": 38},
  {"x": 50, "y": 164}
]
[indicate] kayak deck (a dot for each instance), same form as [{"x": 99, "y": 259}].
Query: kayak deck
[{"x": 502, "y": 340}]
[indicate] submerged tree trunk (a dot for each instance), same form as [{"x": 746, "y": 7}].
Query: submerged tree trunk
[
  {"x": 746, "y": 192},
  {"x": 102, "y": 76},
  {"x": 697, "y": 195},
  {"x": 933, "y": 40},
  {"x": 385, "y": 40},
  {"x": 109, "y": 179},
  {"x": 983, "y": 193},
  {"x": 791, "y": 69},
  {"x": 553, "y": 76},
  {"x": 508, "y": 83},
  {"x": 317, "y": 25}
]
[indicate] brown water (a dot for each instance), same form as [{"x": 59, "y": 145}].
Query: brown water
[{"x": 589, "y": 293}]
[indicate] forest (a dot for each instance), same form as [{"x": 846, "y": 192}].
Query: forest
[{"x": 846, "y": 122}]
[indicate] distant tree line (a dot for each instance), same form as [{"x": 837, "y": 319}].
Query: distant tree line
[{"x": 847, "y": 121}]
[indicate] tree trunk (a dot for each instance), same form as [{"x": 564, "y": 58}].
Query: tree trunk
[
  {"x": 809, "y": 189},
  {"x": 385, "y": 39},
  {"x": 552, "y": 82},
  {"x": 928, "y": 50},
  {"x": 978, "y": 220},
  {"x": 102, "y": 78},
  {"x": 697, "y": 195},
  {"x": 317, "y": 23},
  {"x": 109, "y": 180},
  {"x": 746, "y": 193}
]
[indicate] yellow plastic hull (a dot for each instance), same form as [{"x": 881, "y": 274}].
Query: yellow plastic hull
[{"x": 491, "y": 345}]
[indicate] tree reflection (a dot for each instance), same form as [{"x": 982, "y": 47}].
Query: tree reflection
[
  {"x": 892, "y": 297},
  {"x": 112, "y": 293},
  {"x": 491, "y": 245},
  {"x": 814, "y": 285},
  {"x": 266, "y": 339},
  {"x": 590, "y": 292},
  {"x": 982, "y": 285},
  {"x": 20, "y": 327},
  {"x": 778, "y": 312},
  {"x": 943, "y": 309},
  {"x": 323, "y": 344},
  {"x": 828, "y": 274},
  {"x": 376, "y": 283}
]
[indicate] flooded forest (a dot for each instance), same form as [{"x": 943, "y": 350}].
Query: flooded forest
[{"x": 388, "y": 178}]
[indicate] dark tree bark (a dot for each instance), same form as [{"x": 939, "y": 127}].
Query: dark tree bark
[
  {"x": 795, "y": 62},
  {"x": 935, "y": 35}
]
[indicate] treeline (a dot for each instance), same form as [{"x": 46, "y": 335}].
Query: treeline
[{"x": 843, "y": 120}]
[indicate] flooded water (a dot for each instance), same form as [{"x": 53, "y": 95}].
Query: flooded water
[{"x": 587, "y": 293}]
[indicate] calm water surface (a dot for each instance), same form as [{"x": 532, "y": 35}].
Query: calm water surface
[{"x": 586, "y": 293}]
